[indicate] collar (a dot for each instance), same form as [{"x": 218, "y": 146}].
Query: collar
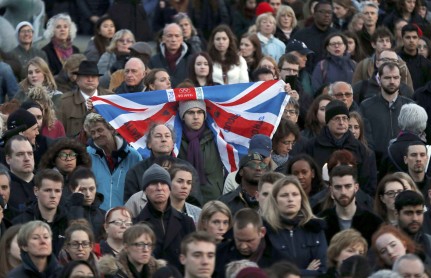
[{"x": 85, "y": 96}]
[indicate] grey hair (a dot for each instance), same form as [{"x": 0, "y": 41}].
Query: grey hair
[
  {"x": 369, "y": 4},
  {"x": 385, "y": 274},
  {"x": 117, "y": 36},
  {"x": 233, "y": 268},
  {"x": 173, "y": 24},
  {"x": 412, "y": 118},
  {"x": 180, "y": 16},
  {"x": 4, "y": 171},
  {"x": 93, "y": 118},
  {"x": 293, "y": 102},
  {"x": 28, "y": 228},
  {"x": 408, "y": 257},
  {"x": 50, "y": 26},
  {"x": 139, "y": 61},
  {"x": 331, "y": 87}
]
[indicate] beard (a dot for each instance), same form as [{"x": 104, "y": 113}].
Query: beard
[
  {"x": 344, "y": 200},
  {"x": 390, "y": 90}
]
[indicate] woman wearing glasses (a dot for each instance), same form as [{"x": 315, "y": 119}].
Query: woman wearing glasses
[
  {"x": 65, "y": 155},
  {"x": 337, "y": 66},
  {"x": 117, "y": 221},
  {"x": 78, "y": 244},
  {"x": 388, "y": 188},
  {"x": 135, "y": 260}
]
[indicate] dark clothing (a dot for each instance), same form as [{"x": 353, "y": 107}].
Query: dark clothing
[
  {"x": 227, "y": 252},
  {"x": 170, "y": 228},
  {"x": 237, "y": 200},
  {"x": 301, "y": 245},
  {"x": 279, "y": 34},
  {"x": 180, "y": 72},
  {"x": 322, "y": 147},
  {"x": 93, "y": 214},
  {"x": 21, "y": 193},
  {"x": 382, "y": 120},
  {"x": 206, "y": 15},
  {"x": 422, "y": 96},
  {"x": 314, "y": 38},
  {"x": 125, "y": 89},
  {"x": 105, "y": 249},
  {"x": 317, "y": 201},
  {"x": 58, "y": 225},
  {"x": 365, "y": 222},
  {"x": 64, "y": 84},
  {"x": 365, "y": 41},
  {"x": 28, "y": 269},
  {"x": 132, "y": 183},
  {"x": 365, "y": 89},
  {"x": 419, "y": 68},
  {"x": 391, "y": 18},
  {"x": 54, "y": 62}
]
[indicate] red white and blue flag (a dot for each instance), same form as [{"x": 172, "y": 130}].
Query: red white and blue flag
[{"x": 234, "y": 114}]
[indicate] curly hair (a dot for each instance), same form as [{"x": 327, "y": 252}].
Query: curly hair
[
  {"x": 40, "y": 95},
  {"x": 50, "y": 26},
  {"x": 48, "y": 159}
]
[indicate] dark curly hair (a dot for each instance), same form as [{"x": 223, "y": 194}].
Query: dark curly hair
[{"x": 48, "y": 159}]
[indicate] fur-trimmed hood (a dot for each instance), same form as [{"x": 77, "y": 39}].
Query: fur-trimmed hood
[{"x": 118, "y": 267}]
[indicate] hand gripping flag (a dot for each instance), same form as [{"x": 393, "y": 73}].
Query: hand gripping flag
[{"x": 234, "y": 114}]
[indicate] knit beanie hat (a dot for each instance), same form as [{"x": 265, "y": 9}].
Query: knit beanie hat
[
  {"x": 334, "y": 108},
  {"x": 155, "y": 173},
  {"x": 264, "y": 7},
  {"x": 20, "y": 25},
  {"x": 186, "y": 105},
  {"x": 21, "y": 117},
  {"x": 31, "y": 104}
]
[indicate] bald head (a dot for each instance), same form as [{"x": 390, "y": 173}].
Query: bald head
[{"x": 134, "y": 72}]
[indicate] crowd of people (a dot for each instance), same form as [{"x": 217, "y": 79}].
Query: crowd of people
[{"x": 341, "y": 189}]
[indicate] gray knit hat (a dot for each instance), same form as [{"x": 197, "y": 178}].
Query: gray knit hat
[
  {"x": 155, "y": 173},
  {"x": 186, "y": 105}
]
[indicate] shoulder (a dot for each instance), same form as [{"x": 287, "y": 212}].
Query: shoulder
[
  {"x": 315, "y": 225},
  {"x": 108, "y": 265}
]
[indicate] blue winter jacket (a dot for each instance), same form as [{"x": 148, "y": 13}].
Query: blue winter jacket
[{"x": 111, "y": 184}]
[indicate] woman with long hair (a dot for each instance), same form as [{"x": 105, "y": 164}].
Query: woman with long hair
[
  {"x": 38, "y": 74},
  {"x": 60, "y": 32},
  {"x": 216, "y": 219},
  {"x": 291, "y": 225},
  {"x": 117, "y": 221},
  {"x": 190, "y": 34},
  {"x": 9, "y": 251},
  {"x": 344, "y": 10},
  {"x": 157, "y": 79},
  {"x": 229, "y": 67},
  {"x": 354, "y": 47},
  {"x": 104, "y": 30},
  {"x": 286, "y": 24},
  {"x": 201, "y": 70},
  {"x": 251, "y": 50},
  {"x": 315, "y": 119},
  {"x": 356, "y": 126},
  {"x": 337, "y": 65}
]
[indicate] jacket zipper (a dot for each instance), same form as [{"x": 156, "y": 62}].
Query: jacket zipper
[{"x": 293, "y": 243}]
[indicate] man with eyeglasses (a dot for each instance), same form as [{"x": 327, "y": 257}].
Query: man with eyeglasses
[
  {"x": 335, "y": 136},
  {"x": 372, "y": 86},
  {"x": 169, "y": 225},
  {"x": 25, "y": 50},
  {"x": 409, "y": 209},
  {"x": 314, "y": 36},
  {"x": 251, "y": 168},
  {"x": 343, "y": 91},
  {"x": 419, "y": 66},
  {"x": 381, "y": 112},
  {"x": 347, "y": 214},
  {"x": 173, "y": 55}
]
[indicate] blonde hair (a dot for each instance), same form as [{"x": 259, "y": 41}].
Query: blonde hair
[
  {"x": 41, "y": 96},
  {"x": 342, "y": 240},
  {"x": 265, "y": 16},
  {"x": 117, "y": 36},
  {"x": 211, "y": 208},
  {"x": 271, "y": 212},
  {"x": 48, "y": 82},
  {"x": 286, "y": 10}
]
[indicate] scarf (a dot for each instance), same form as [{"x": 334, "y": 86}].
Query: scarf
[
  {"x": 255, "y": 257},
  {"x": 194, "y": 153},
  {"x": 279, "y": 159},
  {"x": 337, "y": 142},
  {"x": 63, "y": 49},
  {"x": 172, "y": 59},
  {"x": 291, "y": 221}
]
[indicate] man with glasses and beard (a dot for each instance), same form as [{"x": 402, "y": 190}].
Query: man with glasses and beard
[
  {"x": 381, "y": 111},
  {"x": 346, "y": 214}
]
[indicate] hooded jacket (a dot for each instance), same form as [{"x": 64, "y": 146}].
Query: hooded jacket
[{"x": 28, "y": 269}]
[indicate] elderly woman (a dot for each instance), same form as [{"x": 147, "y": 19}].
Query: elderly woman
[
  {"x": 190, "y": 35},
  {"x": 35, "y": 242},
  {"x": 65, "y": 155},
  {"x": 292, "y": 226},
  {"x": 38, "y": 74},
  {"x": 265, "y": 27},
  {"x": 215, "y": 219},
  {"x": 343, "y": 245},
  {"x": 60, "y": 32},
  {"x": 287, "y": 24},
  {"x": 135, "y": 260}
]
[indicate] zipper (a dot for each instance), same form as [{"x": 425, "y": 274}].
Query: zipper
[
  {"x": 163, "y": 224},
  {"x": 292, "y": 243}
]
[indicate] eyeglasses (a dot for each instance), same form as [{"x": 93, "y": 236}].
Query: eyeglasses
[
  {"x": 84, "y": 244},
  {"x": 340, "y": 119},
  {"x": 290, "y": 70},
  {"x": 255, "y": 165},
  {"x": 291, "y": 112},
  {"x": 336, "y": 43},
  {"x": 120, "y": 223},
  {"x": 422, "y": 47},
  {"x": 67, "y": 156},
  {"x": 29, "y": 31},
  {"x": 346, "y": 95},
  {"x": 142, "y": 245},
  {"x": 392, "y": 194},
  {"x": 125, "y": 41}
]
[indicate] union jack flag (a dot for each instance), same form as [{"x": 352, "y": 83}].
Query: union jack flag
[{"x": 234, "y": 114}]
